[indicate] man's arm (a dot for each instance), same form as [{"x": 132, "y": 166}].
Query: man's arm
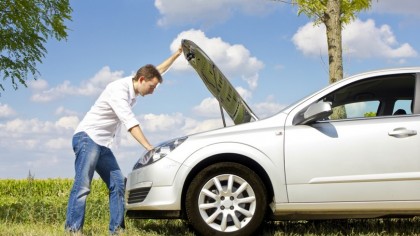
[
  {"x": 164, "y": 66},
  {"x": 139, "y": 136}
]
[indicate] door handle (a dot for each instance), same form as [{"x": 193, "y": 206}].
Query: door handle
[{"x": 402, "y": 133}]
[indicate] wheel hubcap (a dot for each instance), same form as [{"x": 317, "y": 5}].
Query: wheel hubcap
[{"x": 227, "y": 203}]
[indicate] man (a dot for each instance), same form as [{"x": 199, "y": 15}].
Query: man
[{"x": 95, "y": 134}]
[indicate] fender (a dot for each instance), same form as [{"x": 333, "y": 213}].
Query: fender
[{"x": 273, "y": 168}]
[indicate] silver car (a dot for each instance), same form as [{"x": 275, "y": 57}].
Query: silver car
[{"x": 350, "y": 150}]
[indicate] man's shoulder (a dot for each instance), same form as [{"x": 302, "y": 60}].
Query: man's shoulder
[
  {"x": 125, "y": 80},
  {"x": 120, "y": 83}
]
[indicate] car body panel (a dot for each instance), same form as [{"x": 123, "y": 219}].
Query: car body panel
[
  {"x": 345, "y": 210},
  {"x": 274, "y": 167},
  {"x": 353, "y": 161}
]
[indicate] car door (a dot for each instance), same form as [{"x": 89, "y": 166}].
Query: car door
[{"x": 370, "y": 157}]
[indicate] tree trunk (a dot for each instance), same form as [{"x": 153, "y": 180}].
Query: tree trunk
[{"x": 333, "y": 25}]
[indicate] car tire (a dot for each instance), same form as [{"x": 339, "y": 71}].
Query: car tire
[{"x": 226, "y": 199}]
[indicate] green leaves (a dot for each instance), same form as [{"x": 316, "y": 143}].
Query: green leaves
[
  {"x": 316, "y": 9},
  {"x": 349, "y": 8},
  {"x": 25, "y": 26},
  {"x": 312, "y": 8}
]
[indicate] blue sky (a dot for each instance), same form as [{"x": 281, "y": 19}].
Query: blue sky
[{"x": 270, "y": 54}]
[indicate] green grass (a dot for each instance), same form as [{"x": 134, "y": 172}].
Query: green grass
[
  {"x": 37, "y": 207},
  {"x": 143, "y": 227},
  {"x": 354, "y": 227}
]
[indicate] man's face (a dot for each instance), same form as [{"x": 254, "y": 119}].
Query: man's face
[{"x": 147, "y": 87}]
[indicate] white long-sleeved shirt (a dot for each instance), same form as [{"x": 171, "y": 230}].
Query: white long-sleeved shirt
[{"x": 111, "y": 109}]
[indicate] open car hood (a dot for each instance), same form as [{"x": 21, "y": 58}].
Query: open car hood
[{"x": 234, "y": 105}]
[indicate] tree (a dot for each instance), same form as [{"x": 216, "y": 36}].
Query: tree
[
  {"x": 333, "y": 14},
  {"x": 25, "y": 26}
]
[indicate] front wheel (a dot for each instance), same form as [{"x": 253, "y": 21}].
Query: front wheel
[{"x": 226, "y": 199}]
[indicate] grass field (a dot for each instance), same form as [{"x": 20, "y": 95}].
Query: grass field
[
  {"x": 37, "y": 207},
  {"x": 178, "y": 227}
]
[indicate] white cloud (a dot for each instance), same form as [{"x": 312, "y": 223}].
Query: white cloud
[
  {"x": 32, "y": 126},
  {"x": 364, "y": 39},
  {"x": 177, "y": 12},
  {"x": 194, "y": 126},
  {"x": 209, "y": 107},
  {"x": 6, "y": 111},
  {"x": 58, "y": 143},
  {"x": 35, "y": 129},
  {"x": 91, "y": 87},
  {"x": 44, "y": 147},
  {"x": 361, "y": 39},
  {"x": 99, "y": 81},
  {"x": 162, "y": 122},
  {"x": 233, "y": 60},
  {"x": 60, "y": 91},
  {"x": 244, "y": 93},
  {"x": 267, "y": 108},
  {"x": 252, "y": 81},
  {"x": 310, "y": 39},
  {"x": 68, "y": 122},
  {"x": 63, "y": 111},
  {"x": 37, "y": 145}
]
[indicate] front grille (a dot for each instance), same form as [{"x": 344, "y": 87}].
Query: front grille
[{"x": 138, "y": 195}]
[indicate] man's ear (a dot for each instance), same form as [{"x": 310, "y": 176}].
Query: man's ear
[{"x": 141, "y": 79}]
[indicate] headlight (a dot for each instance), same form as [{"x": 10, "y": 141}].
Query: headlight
[{"x": 158, "y": 152}]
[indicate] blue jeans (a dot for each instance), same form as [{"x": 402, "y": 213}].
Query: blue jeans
[{"x": 92, "y": 157}]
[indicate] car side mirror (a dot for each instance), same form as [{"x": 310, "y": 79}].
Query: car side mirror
[{"x": 315, "y": 112}]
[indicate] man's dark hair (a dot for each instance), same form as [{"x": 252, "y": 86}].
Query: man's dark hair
[{"x": 149, "y": 72}]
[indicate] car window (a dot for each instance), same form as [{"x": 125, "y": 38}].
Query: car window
[
  {"x": 381, "y": 96},
  {"x": 402, "y": 107},
  {"x": 355, "y": 110}
]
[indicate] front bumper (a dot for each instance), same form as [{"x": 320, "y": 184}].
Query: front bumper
[
  {"x": 154, "y": 191},
  {"x": 155, "y": 203}
]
